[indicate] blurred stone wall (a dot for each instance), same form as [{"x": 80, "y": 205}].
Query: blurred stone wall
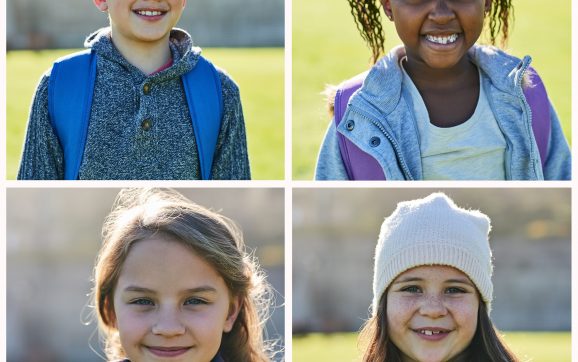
[
  {"x": 334, "y": 237},
  {"x": 52, "y": 239},
  {"x": 37, "y": 24}
]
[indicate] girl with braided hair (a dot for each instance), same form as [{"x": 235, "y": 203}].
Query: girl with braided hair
[{"x": 440, "y": 106}]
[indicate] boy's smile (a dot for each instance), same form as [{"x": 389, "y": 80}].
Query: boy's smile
[
  {"x": 141, "y": 21},
  {"x": 437, "y": 34}
]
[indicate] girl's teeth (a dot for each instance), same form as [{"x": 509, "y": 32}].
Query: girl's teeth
[
  {"x": 442, "y": 39},
  {"x": 429, "y": 333}
]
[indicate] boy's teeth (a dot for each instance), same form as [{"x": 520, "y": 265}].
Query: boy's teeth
[
  {"x": 149, "y": 12},
  {"x": 442, "y": 39}
]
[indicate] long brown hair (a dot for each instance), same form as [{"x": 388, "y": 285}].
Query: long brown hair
[
  {"x": 367, "y": 16},
  {"x": 487, "y": 345},
  {"x": 141, "y": 214}
]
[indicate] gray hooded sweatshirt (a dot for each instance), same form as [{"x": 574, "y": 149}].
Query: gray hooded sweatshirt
[{"x": 120, "y": 143}]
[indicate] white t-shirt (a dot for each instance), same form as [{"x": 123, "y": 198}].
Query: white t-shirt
[{"x": 473, "y": 150}]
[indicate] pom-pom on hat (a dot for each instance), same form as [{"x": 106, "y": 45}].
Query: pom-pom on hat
[{"x": 433, "y": 231}]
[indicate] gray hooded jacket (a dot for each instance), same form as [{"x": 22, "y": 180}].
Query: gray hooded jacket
[{"x": 120, "y": 143}]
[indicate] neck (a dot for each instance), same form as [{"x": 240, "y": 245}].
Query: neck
[
  {"x": 146, "y": 56},
  {"x": 425, "y": 77}
]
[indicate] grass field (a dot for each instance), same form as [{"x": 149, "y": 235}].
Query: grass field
[
  {"x": 342, "y": 347},
  {"x": 327, "y": 49},
  {"x": 258, "y": 72}
]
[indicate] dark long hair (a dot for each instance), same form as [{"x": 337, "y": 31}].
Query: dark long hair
[
  {"x": 486, "y": 345},
  {"x": 367, "y": 16}
]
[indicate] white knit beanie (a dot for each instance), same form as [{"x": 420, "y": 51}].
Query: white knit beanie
[{"x": 433, "y": 231}]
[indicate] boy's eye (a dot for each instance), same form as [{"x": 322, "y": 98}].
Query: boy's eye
[
  {"x": 411, "y": 289},
  {"x": 142, "y": 301},
  {"x": 195, "y": 301}
]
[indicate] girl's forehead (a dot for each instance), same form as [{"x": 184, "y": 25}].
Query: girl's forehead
[
  {"x": 432, "y": 272},
  {"x": 158, "y": 263}
]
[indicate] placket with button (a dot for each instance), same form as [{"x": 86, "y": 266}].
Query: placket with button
[
  {"x": 146, "y": 119},
  {"x": 147, "y": 122}
]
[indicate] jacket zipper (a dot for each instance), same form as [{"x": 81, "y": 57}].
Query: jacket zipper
[{"x": 528, "y": 120}]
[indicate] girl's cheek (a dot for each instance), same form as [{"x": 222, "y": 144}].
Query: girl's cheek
[{"x": 400, "y": 307}]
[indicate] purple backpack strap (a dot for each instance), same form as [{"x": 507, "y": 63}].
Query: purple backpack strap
[
  {"x": 358, "y": 164},
  {"x": 538, "y": 101}
]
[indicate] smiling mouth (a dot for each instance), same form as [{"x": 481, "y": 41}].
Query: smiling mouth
[
  {"x": 428, "y": 332},
  {"x": 446, "y": 39},
  {"x": 168, "y": 351},
  {"x": 149, "y": 13}
]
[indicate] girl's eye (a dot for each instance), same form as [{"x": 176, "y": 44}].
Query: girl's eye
[
  {"x": 454, "y": 290},
  {"x": 411, "y": 289},
  {"x": 195, "y": 301},
  {"x": 142, "y": 301}
]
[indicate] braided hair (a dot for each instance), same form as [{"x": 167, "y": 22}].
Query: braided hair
[{"x": 367, "y": 17}]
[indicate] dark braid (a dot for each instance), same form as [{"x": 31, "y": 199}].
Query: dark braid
[
  {"x": 366, "y": 14},
  {"x": 368, "y": 20},
  {"x": 499, "y": 15}
]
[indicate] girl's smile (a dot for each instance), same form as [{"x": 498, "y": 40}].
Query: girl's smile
[
  {"x": 437, "y": 33},
  {"x": 432, "y": 313},
  {"x": 170, "y": 304}
]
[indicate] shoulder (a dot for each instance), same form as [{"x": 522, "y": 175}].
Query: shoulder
[
  {"x": 494, "y": 58},
  {"x": 228, "y": 85},
  {"x": 502, "y": 68}
]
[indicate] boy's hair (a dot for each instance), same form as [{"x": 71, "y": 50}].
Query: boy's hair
[
  {"x": 368, "y": 20},
  {"x": 486, "y": 344},
  {"x": 141, "y": 214}
]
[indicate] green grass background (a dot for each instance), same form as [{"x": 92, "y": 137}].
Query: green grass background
[
  {"x": 342, "y": 347},
  {"x": 257, "y": 71},
  {"x": 327, "y": 49}
]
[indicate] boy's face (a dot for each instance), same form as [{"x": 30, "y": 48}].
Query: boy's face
[
  {"x": 142, "y": 20},
  {"x": 437, "y": 33}
]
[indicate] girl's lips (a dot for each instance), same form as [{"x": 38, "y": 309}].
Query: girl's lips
[
  {"x": 442, "y": 42},
  {"x": 168, "y": 351}
]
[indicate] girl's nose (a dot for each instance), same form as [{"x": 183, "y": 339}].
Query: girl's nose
[
  {"x": 433, "y": 307},
  {"x": 168, "y": 324},
  {"x": 441, "y": 12}
]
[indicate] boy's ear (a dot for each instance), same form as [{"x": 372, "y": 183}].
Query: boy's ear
[
  {"x": 234, "y": 309},
  {"x": 102, "y": 5},
  {"x": 386, "y": 4}
]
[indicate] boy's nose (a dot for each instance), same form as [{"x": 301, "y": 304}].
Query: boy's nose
[
  {"x": 168, "y": 324},
  {"x": 441, "y": 12},
  {"x": 433, "y": 307}
]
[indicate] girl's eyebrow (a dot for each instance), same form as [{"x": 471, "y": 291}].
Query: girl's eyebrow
[
  {"x": 418, "y": 279},
  {"x": 407, "y": 280},
  {"x": 201, "y": 289}
]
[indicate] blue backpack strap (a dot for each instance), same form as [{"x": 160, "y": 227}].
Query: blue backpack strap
[
  {"x": 70, "y": 91},
  {"x": 358, "y": 164},
  {"x": 537, "y": 99},
  {"x": 204, "y": 97}
]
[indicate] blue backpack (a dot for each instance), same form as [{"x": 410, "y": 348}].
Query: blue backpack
[{"x": 70, "y": 91}]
